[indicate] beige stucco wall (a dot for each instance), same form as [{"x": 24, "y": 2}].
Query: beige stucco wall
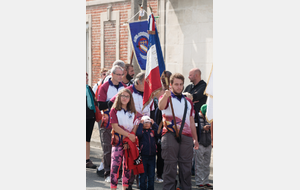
[{"x": 189, "y": 36}]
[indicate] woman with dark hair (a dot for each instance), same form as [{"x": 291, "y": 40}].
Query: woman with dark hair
[
  {"x": 123, "y": 115},
  {"x": 90, "y": 120}
]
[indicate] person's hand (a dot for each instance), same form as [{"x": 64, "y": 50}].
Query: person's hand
[
  {"x": 125, "y": 146},
  {"x": 160, "y": 93},
  {"x": 196, "y": 145},
  {"x": 152, "y": 121},
  {"x": 104, "y": 118},
  {"x": 131, "y": 137},
  {"x": 142, "y": 121},
  {"x": 206, "y": 127},
  {"x": 168, "y": 93},
  {"x": 189, "y": 95}
]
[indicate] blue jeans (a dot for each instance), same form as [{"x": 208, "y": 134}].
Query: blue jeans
[{"x": 149, "y": 168}]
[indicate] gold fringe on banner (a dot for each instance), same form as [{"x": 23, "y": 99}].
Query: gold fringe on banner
[{"x": 151, "y": 32}]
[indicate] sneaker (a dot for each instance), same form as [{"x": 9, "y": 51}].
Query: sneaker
[
  {"x": 100, "y": 173},
  {"x": 129, "y": 187},
  {"x": 208, "y": 186},
  {"x": 159, "y": 180},
  {"x": 200, "y": 186},
  {"x": 90, "y": 164},
  {"x": 107, "y": 179}
]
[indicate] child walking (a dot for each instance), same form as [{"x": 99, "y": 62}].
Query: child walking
[
  {"x": 123, "y": 115},
  {"x": 203, "y": 154},
  {"x": 147, "y": 132}
]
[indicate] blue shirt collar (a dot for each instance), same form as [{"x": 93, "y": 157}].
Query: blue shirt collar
[
  {"x": 112, "y": 84},
  {"x": 124, "y": 110},
  {"x": 173, "y": 96},
  {"x": 135, "y": 90}
]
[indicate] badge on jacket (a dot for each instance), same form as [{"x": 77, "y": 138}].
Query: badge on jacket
[{"x": 151, "y": 134}]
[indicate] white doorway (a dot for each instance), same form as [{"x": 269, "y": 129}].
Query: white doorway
[{"x": 88, "y": 47}]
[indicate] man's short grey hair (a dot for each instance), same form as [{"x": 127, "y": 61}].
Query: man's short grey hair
[
  {"x": 139, "y": 77},
  {"x": 119, "y": 63},
  {"x": 113, "y": 70}
]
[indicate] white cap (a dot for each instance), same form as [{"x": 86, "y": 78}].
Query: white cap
[{"x": 146, "y": 119}]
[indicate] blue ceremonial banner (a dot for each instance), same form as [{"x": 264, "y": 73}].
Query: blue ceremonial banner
[{"x": 139, "y": 38}]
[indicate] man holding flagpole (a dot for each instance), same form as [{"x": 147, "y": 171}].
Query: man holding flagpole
[{"x": 174, "y": 152}]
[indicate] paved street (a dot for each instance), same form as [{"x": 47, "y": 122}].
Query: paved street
[{"x": 94, "y": 182}]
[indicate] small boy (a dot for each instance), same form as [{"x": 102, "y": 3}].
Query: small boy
[
  {"x": 146, "y": 132},
  {"x": 203, "y": 154}
]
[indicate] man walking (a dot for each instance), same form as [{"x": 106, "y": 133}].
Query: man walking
[{"x": 107, "y": 91}]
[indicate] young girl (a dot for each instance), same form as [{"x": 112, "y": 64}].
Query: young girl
[{"x": 123, "y": 115}]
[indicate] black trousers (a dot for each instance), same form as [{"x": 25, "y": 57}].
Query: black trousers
[
  {"x": 159, "y": 162},
  {"x": 89, "y": 128}
]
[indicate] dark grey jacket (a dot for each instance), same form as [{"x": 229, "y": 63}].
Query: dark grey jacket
[
  {"x": 197, "y": 93},
  {"x": 204, "y": 137}
]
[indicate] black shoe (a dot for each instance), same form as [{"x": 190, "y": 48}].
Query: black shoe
[
  {"x": 100, "y": 173},
  {"x": 129, "y": 187},
  {"x": 208, "y": 186},
  {"x": 90, "y": 164}
]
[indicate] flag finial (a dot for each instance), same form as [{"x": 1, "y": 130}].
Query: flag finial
[{"x": 151, "y": 24}]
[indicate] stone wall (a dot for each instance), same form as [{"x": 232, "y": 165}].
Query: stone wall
[{"x": 189, "y": 36}]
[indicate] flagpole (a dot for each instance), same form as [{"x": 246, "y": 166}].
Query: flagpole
[
  {"x": 131, "y": 57},
  {"x": 166, "y": 82}
]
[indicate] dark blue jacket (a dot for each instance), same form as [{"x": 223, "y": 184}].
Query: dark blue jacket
[{"x": 147, "y": 140}]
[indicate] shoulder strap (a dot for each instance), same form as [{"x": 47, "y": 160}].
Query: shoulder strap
[{"x": 184, "y": 116}]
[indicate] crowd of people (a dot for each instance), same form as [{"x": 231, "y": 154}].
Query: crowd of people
[{"x": 170, "y": 132}]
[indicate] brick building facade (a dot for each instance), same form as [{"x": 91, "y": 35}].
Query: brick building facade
[{"x": 184, "y": 27}]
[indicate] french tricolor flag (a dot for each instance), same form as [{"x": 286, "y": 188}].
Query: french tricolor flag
[{"x": 155, "y": 64}]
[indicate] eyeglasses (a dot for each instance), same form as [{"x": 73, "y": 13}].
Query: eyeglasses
[
  {"x": 119, "y": 74},
  {"x": 124, "y": 96}
]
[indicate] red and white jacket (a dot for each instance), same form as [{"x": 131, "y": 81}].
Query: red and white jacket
[{"x": 133, "y": 160}]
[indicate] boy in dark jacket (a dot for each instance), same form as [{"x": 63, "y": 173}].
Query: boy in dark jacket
[
  {"x": 146, "y": 132},
  {"x": 203, "y": 154}
]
